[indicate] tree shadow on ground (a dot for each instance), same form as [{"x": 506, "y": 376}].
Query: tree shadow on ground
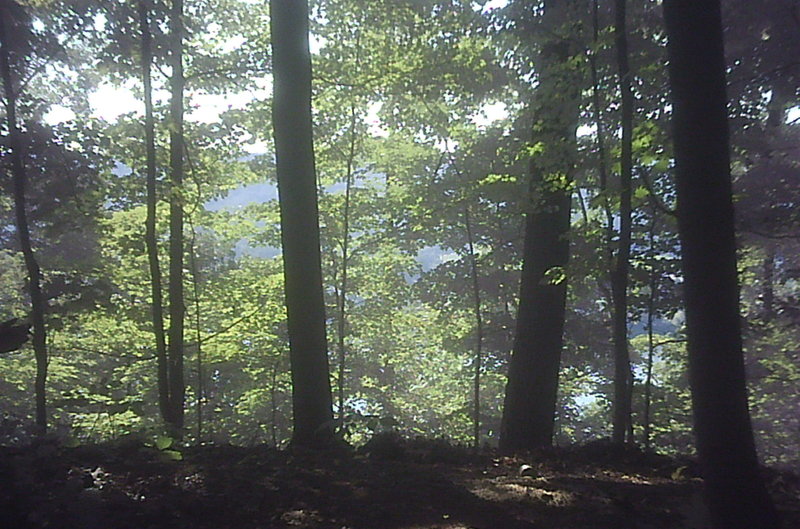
[{"x": 218, "y": 487}]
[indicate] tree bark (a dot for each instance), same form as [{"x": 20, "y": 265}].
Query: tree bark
[
  {"x": 735, "y": 492},
  {"x": 177, "y": 310},
  {"x": 342, "y": 297},
  {"x": 200, "y": 389},
  {"x": 651, "y": 308},
  {"x": 531, "y": 392},
  {"x": 291, "y": 112},
  {"x": 38, "y": 302},
  {"x": 157, "y": 310},
  {"x": 768, "y": 288},
  {"x": 623, "y": 377},
  {"x": 476, "y": 298},
  {"x": 602, "y": 167}
]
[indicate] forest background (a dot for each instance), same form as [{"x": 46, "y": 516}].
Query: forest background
[{"x": 423, "y": 140}]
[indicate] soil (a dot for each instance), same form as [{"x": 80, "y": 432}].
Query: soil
[{"x": 390, "y": 483}]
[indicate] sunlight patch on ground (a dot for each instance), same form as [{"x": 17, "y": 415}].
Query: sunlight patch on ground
[{"x": 505, "y": 489}]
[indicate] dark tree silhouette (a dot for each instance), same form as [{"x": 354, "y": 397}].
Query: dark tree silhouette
[
  {"x": 623, "y": 378},
  {"x": 157, "y": 310},
  {"x": 735, "y": 493},
  {"x": 530, "y": 400},
  {"x": 291, "y": 112},
  {"x": 177, "y": 309},
  {"x": 11, "y": 16}
]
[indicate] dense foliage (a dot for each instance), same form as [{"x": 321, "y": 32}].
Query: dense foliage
[{"x": 423, "y": 135}]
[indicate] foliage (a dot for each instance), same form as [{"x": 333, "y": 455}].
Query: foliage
[{"x": 430, "y": 106}]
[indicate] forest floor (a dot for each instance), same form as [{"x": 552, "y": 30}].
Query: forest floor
[{"x": 392, "y": 484}]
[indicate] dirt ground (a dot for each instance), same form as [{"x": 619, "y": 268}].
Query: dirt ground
[{"x": 392, "y": 483}]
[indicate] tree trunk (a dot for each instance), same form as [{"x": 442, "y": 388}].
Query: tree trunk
[
  {"x": 768, "y": 289},
  {"x": 291, "y": 112},
  {"x": 177, "y": 389},
  {"x": 342, "y": 297},
  {"x": 651, "y": 308},
  {"x": 531, "y": 391},
  {"x": 776, "y": 117},
  {"x": 273, "y": 402},
  {"x": 602, "y": 167},
  {"x": 476, "y": 296},
  {"x": 198, "y": 335},
  {"x": 735, "y": 493},
  {"x": 38, "y": 302},
  {"x": 157, "y": 311},
  {"x": 623, "y": 378}
]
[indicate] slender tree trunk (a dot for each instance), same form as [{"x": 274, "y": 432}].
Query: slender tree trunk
[
  {"x": 651, "y": 306},
  {"x": 177, "y": 310},
  {"x": 38, "y": 302},
  {"x": 476, "y": 293},
  {"x": 342, "y": 297},
  {"x": 776, "y": 115},
  {"x": 623, "y": 378},
  {"x": 768, "y": 290},
  {"x": 735, "y": 492},
  {"x": 291, "y": 112},
  {"x": 273, "y": 402},
  {"x": 618, "y": 310},
  {"x": 531, "y": 391},
  {"x": 157, "y": 311},
  {"x": 199, "y": 358},
  {"x": 601, "y": 133}
]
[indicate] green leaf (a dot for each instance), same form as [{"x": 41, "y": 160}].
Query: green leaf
[
  {"x": 554, "y": 276},
  {"x": 678, "y": 473},
  {"x": 163, "y": 442},
  {"x": 172, "y": 455}
]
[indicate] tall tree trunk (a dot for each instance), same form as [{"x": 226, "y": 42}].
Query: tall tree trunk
[
  {"x": 38, "y": 302},
  {"x": 735, "y": 492},
  {"x": 623, "y": 378},
  {"x": 476, "y": 296},
  {"x": 602, "y": 166},
  {"x": 651, "y": 307},
  {"x": 342, "y": 297},
  {"x": 157, "y": 311},
  {"x": 531, "y": 391},
  {"x": 776, "y": 116},
  {"x": 302, "y": 267},
  {"x": 177, "y": 310},
  {"x": 198, "y": 335}
]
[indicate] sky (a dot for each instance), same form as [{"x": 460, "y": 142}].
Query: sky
[{"x": 109, "y": 102}]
